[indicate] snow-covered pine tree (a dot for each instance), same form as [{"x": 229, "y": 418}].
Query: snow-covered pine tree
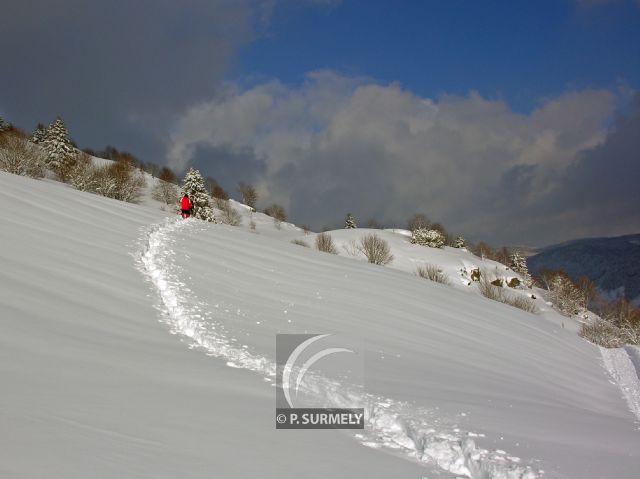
[
  {"x": 518, "y": 263},
  {"x": 57, "y": 145},
  {"x": 564, "y": 295},
  {"x": 193, "y": 186},
  {"x": 349, "y": 222},
  {"x": 38, "y": 134},
  {"x": 428, "y": 237},
  {"x": 459, "y": 242}
]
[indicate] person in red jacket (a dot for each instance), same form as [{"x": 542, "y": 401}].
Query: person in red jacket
[{"x": 186, "y": 206}]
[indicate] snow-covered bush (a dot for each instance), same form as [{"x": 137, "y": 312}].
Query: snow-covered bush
[
  {"x": 21, "y": 157},
  {"x": 300, "y": 242},
  {"x": 194, "y": 187},
  {"x": 459, "y": 242},
  {"x": 129, "y": 181},
  {"x": 119, "y": 180},
  {"x": 349, "y": 222},
  {"x": 428, "y": 237},
  {"x": 564, "y": 295},
  {"x": 58, "y": 147},
  {"x": 432, "y": 273},
  {"x": 82, "y": 174},
  {"x": 166, "y": 192},
  {"x": 603, "y": 333},
  {"x": 376, "y": 249},
  {"x": 618, "y": 325},
  {"x": 324, "y": 243},
  {"x": 228, "y": 214}
]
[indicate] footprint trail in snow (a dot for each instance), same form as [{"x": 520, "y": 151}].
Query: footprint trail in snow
[{"x": 388, "y": 423}]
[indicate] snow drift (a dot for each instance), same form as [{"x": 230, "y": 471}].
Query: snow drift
[{"x": 94, "y": 385}]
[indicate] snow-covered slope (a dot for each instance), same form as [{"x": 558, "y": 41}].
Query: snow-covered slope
[{"x": 93, "y": 385}]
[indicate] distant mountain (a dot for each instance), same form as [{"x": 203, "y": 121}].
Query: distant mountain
[{"x": 613, "y": 264}]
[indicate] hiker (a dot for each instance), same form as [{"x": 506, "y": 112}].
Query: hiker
[{"x": 186, "y": 206}]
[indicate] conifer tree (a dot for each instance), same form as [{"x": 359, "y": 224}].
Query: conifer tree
[
  {"x": 38, "y": 134},
  {"x": 349, "y": 222},
  {"x": 518, "y": 263},
  {"x": 57, "y": 145},
  {"x": 459, "y": 242},
  {"x": 194, "y": 187}
]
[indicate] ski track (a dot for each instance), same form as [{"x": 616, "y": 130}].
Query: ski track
[
  {"x": 623, "y": 373},
  {"x": 417, "y": 433}
]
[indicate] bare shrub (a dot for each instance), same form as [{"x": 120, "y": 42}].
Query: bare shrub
[
  {"x": 484, "y": 251},
  {"x": 219, "y": 192},
  {"x": 219, "y": 203},
  {"x": 229, "y": 215},
  {"x": 488, "y": 290},
  {"x": 496, "y": 293},
  {"x": 166, "y": 192},
  {"x": 432, "y": 273},
  {"x": 521, "y": 302},
  {"x": 418, "y": 221},
  {"x": 167, "y": 174},
  {"x": 324, "y": 243},
  {"x": 375, "y": 249},
  {"x": 608, "y": 335},
  {"x": 602, "y": 333},
  {"x": 277, "y": 212},
  {"x": 21, "y": 157},
  {"x": 619, "y": 324},
  {"x": 81, "y": 174},
  {"x": 129, "y": 181},
  {"x": 300, "y": 242},
  {"x": 248, "y": 194},
  {"x": 120, "y": 180}
]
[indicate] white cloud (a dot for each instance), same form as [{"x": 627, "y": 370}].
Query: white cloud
[{"x": 338, "y": 143}]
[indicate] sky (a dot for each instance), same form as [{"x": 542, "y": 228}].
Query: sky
[{"x": 512, "y": 122}]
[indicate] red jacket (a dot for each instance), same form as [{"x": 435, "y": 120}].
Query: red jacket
[{"x": 186, "y": 204}]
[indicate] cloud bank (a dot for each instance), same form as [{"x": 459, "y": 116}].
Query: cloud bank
[{"x": 336, "y": 144}]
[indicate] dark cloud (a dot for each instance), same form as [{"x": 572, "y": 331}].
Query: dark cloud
[
  {"x": 229, "y": 166},
  {"x": 117, "y": 71},
  {"x": 600, "y": 191}
]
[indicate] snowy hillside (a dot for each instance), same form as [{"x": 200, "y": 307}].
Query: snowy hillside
[
  {"x": 611, "y": 263},
  {"x": 135, "y": 344}
]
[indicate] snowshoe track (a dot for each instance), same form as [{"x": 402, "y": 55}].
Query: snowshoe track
[{"x": 395, "y": 425}]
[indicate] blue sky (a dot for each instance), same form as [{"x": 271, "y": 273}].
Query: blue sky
[
  {"x": 520, "y": 51},
  {"x": 514, "y": 122}
]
